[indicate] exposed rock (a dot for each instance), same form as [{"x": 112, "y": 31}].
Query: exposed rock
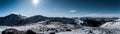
[
  {"x": 30, "y": 32},
  {"x": 52, "y": 33},
  {"x": 68, "y": 30},
  {"x": 12, "y": 31}
]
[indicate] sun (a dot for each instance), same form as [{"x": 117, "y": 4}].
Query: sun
[{"x": 35, "y": 2}]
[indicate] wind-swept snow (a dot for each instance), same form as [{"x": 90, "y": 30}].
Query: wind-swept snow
[
  {"x": 52, "y": 26},
  {"x": 112, "y": 25},
  {"x": 81, "y": 30},
  {"x": 89, "y": 30}
]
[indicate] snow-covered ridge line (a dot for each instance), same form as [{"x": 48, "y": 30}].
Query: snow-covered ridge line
[
  {"x": 18, "y": 20},
  {"x": 59, "y": 25},
  {"x": 112, "y": 25}
]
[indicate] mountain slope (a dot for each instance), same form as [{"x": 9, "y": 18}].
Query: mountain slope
[
  {"x": 96, "y": 21},
  {"x": 112, "y": 25},
  {"x": 17, "y": 20},
  {"x": 61, "y": 25},
  {"x": 33, "y": 19},
  {"x": 11, "y": 19}
]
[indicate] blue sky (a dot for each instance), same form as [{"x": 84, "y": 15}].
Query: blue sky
[{"x": 61, "y": 8}]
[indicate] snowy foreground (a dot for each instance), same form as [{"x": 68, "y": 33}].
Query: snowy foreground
[
  {"x": 80, "y": 30},
  {"x": 84, "y": 30}
]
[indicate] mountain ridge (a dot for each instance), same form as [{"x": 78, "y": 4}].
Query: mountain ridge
[{"x": 16, "y": 20}]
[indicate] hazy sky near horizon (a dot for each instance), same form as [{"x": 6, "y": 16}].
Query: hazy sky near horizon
[{"x": 66, "y": 8}]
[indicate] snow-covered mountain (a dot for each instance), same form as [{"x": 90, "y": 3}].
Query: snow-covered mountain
[
  {"x": 32, "y": 19},
  {"x": 14, "y": 20},
  {"x": 11, "y": 19},
  {"x": 96, "y": 21},
  {"x": 61, "y": 25},
  {"x": 112, "y": 25}
]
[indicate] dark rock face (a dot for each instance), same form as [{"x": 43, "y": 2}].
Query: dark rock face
[
  {"x": 52, "y": 33},
  {"x": 12, "y": 31},
  {"x": 68, "y": 30},
  {"x": 30, "y": 32}
]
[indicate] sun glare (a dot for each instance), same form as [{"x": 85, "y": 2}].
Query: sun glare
[{"x": 35, "y": 2}]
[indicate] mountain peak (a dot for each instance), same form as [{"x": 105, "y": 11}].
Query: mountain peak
[
  {"x": 13, "y": 15},
  {"x": 11, "y": 19}
]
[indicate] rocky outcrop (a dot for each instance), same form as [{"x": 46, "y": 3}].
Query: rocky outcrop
[
  {"x": 12, "y": 31},
  {"x": 15, "y": 31},
  {"x": 30, "y": 32}
]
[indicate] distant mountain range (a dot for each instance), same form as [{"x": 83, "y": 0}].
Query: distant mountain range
[{"x": 17, "y": 20}]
